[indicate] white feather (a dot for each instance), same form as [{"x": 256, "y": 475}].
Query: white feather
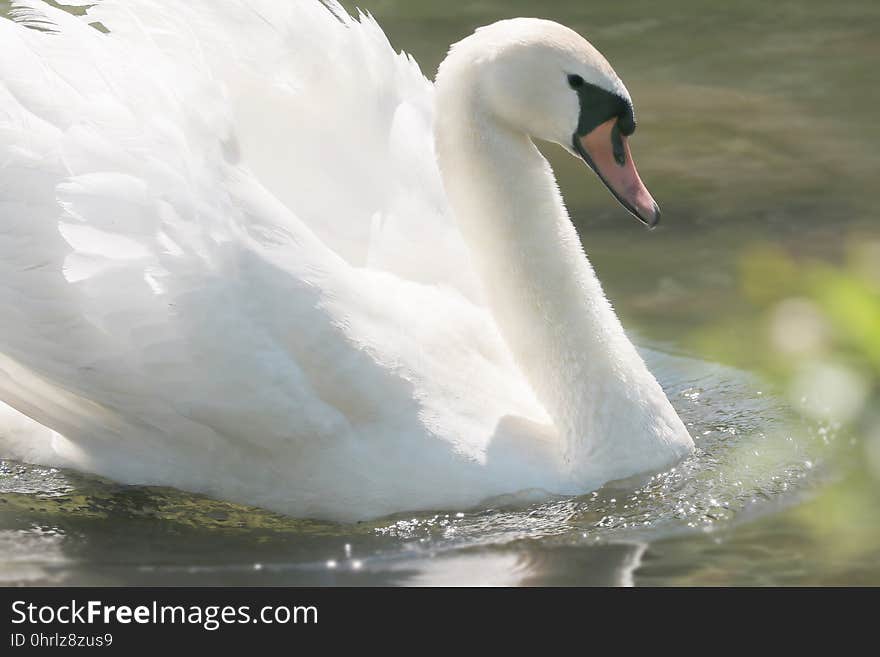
[{"x": 228, "y": 264}]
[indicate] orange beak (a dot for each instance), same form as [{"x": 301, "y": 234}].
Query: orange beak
[{"x": 607, "y": 153}]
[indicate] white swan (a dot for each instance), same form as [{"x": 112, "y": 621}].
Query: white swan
[{"x": 230, "y": 262}]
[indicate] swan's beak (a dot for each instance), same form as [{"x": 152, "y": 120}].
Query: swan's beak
[{"x": 607, "y": 153}]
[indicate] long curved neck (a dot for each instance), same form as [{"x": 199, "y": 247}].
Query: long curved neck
[{"x": 544, "y": 294}]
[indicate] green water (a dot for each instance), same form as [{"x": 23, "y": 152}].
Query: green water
[{"x": 756, "y": 125}]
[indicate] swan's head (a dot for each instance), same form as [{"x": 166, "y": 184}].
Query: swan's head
[{"x": 545, "y": 80}]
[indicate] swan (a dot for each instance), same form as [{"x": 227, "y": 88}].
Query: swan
[{"x": 248, "y": 250}]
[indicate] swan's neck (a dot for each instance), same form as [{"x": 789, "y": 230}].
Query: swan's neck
[{"x": 546, "y": 298}]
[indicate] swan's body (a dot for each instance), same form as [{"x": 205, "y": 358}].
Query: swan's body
[{"x": 229, "y": 264}]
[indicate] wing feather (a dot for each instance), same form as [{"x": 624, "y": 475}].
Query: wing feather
[{"x": 226, "y": 257}]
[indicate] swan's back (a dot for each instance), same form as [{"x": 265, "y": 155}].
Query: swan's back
[{"x": 227, "y": 262}]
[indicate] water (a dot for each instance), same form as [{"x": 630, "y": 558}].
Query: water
[
  {"x": 755, "y": 125},
  {"x": 68, "y": 528}
]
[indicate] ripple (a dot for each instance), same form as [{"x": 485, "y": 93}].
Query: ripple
[{"x": 751, "y": 457}]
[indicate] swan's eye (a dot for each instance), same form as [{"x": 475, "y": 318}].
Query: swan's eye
[
  {"x": 627, "y": 122},
  {"x": 575, "y": 81}
]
